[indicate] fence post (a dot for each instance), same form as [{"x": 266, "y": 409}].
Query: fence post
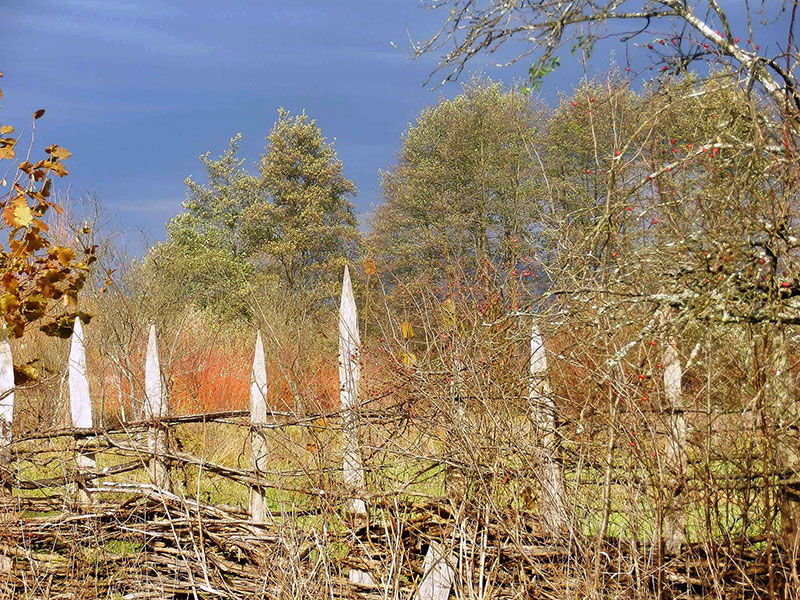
[
  {"x": 258, "y": 416},
  {"x": 349, "y": 377},
  {"x": 437, "y": 574},
  {"x": 553, "y": 499},
  {"x": 6, "y": 420},
  {"x": 675, "y": 451},
  {"x": 6, "y": 404},
  {"x": 156, "y": 406},
  {"x": 80, "y": 407}
]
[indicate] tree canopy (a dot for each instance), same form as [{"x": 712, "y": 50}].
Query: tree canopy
[{"x": 290, "y": 223}]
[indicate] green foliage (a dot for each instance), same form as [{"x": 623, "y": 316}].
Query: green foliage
[
  {"x": 303, "y": 225},
  {"x": 461, "y": 193},
  {"x": 292, "y": 224}
]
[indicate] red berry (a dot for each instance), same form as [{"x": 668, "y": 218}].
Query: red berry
[
  {"x": 627, "y": 69},
  {"x": 591, "y": 99},
  {"x": 758, "y": 47},
  {"x": 736, "y": 41},
  {"x": 574, "y": 104},
  {"x": 672, "y": 141},
  {"x": 785, "y": 284},
  {"x": 617, "y": 152}
]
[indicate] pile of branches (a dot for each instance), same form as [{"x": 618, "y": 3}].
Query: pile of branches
[{"x": 137, "y": 542}]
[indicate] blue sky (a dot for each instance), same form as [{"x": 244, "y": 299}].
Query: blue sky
[{"x": 138, "y": 89}]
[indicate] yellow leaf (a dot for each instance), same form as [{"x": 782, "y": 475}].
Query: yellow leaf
[
  {"x": 7, "y": 152},
  {"x": 449, "y": 308},
  {"x": 61, "y": 153},
  {"x": 407, "y": 329},
  {"x": 408, "y": 358},
  {"x": 6, "y": 129},
  {"x": 58, "y": 152},
  {"x": 64, "y": 255},
  {"x": 56, "y": 167},
  {"x": 9, "y": 303},
  {"x": 18, "y": 213},
  {"x": 370, "y": 268}
]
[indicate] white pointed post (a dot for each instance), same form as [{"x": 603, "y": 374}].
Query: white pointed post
[
  {"x": 80, "y": 403},
  {"x": 553, "y": 498},
  {"x": 437, "y": 575},
  {"x": 675, "y": 451},
  {"x": 258, "y": 416},
  {"x": 6, "y": 421},
  {"x": 6, "y": 402},
  {"x": 349, "y": 377},
  {"x": 156, "y": 406}
]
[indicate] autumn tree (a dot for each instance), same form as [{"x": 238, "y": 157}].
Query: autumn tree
[
  {"x": 461, "y": 194},
  {"x": 205, "y": 262},
  {"x": 289, "y": 224},
  {"x": 303, "y": 225},
  {"x": 40, "y": 281}
]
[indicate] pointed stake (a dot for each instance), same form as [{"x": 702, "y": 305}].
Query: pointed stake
[
  {"x": 437, "y": 574},
  {"x": 6, "y": 390},
  {"x": 80, "y": 405},
  {"x": 258, "y": 415},
  {"x": 553, "y": 499},
  {"x": 79, "y": 401},
  {"x": 675, "y": 449},
  {"x": 349, "y": 377},
  {"x": 156, "y": 406},
  {"x": 6, "y": 420}
]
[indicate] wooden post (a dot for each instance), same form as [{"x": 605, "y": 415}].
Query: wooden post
[
  {"x": 349, "y": 376},
  {"x": 156, "y": 406},
  {"x": 6, "y": 402},
  {"x": 675, "y": 451},
  {"x": 258, "y": 416},
  {"x": 6, "y": 421},
  {"x": 80, "y": 405},
  {"x": 437, "y": 575},
  {"x": 553, "y": 499},
  {"x": 784, "y": 407}
]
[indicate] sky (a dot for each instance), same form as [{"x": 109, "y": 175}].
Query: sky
[{"x": 138, "y": 89}]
